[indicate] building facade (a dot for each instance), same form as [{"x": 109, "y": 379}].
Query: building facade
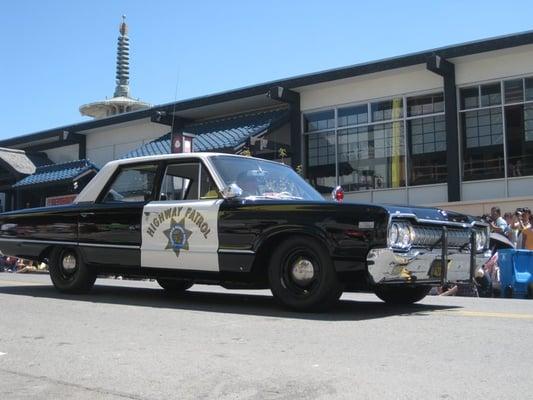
[{"x": 451, "y": 127}]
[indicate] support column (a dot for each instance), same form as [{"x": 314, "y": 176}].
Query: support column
[
  {"x": 175, "y": 123},
  {"x": 446, "y": 69},
  {"x": 82, "y": 147},
  {"x": 291, "y": 98}
]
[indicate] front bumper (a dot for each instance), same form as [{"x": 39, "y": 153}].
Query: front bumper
[{"x": 386, "y": 266}]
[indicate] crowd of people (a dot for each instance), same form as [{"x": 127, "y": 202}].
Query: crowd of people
[
  {"x": 15, "y": 264},
  {"x": 517, "y": 226}
]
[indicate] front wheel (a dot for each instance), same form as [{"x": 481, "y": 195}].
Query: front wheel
[
  {"x": 69, "y": 273},
  {"x": 401, "y": 294},
  {"x": 302, "y": 276}
]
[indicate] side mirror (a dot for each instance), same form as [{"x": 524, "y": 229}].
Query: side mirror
[{"x": 231, "y": 191}]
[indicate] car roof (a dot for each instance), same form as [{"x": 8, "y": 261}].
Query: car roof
[{"x": 95, "y": 186}]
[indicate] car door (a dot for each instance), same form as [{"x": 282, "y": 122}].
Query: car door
[
  {"x": 110, "y": 229},
  {"x": 180, "y": 228}
]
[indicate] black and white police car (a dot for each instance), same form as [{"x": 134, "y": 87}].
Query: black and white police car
[{"x": 242, "y": 222}]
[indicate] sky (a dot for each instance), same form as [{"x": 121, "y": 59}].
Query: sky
[{"x": 57, "y": 55}]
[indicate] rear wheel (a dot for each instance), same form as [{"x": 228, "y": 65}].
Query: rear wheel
[
  {"x": 174, "y": 285},
  {"x": 302, "y": 276},
  {"x": 401, "y": 294},
  {"x": 69, "y": 273}
]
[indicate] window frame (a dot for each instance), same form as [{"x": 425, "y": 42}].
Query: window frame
[
  {"x": 118, "y": 171},
  {"x": 501, "y": 106},
  {"x": 368, "y": 102},
  {"x": 202, "y": 165}
]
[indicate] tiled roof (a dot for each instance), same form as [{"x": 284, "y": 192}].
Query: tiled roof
[
  {"x": 225, "y": 133},
  {"x": 57, "y": 173}
]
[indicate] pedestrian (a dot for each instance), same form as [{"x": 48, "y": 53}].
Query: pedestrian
[
  {"x": 526, "y": 218},
  {"x": 498, "y": 224},
  {"x": 515, "y": 229},
  {"x": 527, "y": 238}
]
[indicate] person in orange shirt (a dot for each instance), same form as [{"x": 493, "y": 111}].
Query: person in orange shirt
[{"x": 527, "y": 237}]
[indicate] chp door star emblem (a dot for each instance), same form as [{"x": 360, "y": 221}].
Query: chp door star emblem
[{"x": 178, "y": 236}]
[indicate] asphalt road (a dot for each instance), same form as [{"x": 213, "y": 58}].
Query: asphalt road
[{"x": 128, "y": 340}]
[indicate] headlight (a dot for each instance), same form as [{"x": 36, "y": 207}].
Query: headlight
[
  {"x": 401, "y": 235},
  {"x": 393, "y": 234}
]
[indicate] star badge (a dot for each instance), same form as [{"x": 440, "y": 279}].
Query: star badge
[{"x": 178, "y": 236}]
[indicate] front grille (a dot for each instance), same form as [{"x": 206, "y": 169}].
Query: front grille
[{"x": 427, "y": 236}]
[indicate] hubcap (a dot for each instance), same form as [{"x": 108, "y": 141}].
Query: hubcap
[
  {"x": 69, "y": 263},
  {"x": 302, "y": 271}
]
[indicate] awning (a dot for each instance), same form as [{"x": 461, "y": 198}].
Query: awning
[
  {"x": 223, "y": 134},
  {"x": 57, "y": 173}
]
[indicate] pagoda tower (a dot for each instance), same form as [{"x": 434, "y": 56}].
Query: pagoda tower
[{"x": 121, "y": 101}]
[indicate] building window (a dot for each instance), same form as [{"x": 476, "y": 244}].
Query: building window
[
  {"x": 372, "y": 157},
  {"x": 319, "y": 121},
  {"x": 387, "y": 110},
  {"x": 491, "y": 95},
  {"x": 482, "y": 144},
  {"x": 320, "y": 150},
  {"x": 353, "y": 115},
  {"x": 514, "y": 91},
  {"x": 519, "y": 136},
  {"x": 469, "y": 98},
  {"x": 497, "y": 136},
  {"x": 482, "y": 132},
  {"x": 426, "y": 137},
  {"x": 357, "y": 153},
  {"x": 423, "y": 105}
]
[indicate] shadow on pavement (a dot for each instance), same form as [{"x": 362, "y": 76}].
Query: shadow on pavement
[{"x": 234, "y": 303}]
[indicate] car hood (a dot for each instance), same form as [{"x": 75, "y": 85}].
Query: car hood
[{"x": 427, "y": 213}]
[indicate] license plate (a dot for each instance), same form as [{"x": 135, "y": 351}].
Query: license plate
[{"x": 435, "y": 270}]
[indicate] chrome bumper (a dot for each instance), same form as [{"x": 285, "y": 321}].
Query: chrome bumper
[{"x": 423, "y": 266}]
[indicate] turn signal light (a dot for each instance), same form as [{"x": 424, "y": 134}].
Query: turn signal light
[{"x": 338, "y": 194}]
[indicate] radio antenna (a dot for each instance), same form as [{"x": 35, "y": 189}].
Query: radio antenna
[{"x": 174, "y": 105}]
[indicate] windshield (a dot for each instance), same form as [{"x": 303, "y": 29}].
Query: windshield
[{"x": 263, "y": 179}]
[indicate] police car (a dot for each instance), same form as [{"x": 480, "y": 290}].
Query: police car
[{"x": 242, "y": 222}]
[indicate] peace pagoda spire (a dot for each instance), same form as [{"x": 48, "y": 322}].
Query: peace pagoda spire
[{"x": 121, "y": 101}]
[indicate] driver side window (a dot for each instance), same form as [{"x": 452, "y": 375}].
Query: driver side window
[{"x": 187, "y": 181}]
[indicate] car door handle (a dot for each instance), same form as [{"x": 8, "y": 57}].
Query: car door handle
[{"x": 86, "y": 214}]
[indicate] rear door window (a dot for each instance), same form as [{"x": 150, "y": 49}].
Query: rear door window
[{"x": 132, "y": 184}]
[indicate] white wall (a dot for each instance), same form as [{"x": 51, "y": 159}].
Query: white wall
[
  {"x": 471, "y": 69},
  {"x": 494, "y": 65},
  {"x": 63, "y": 154},
  {"x": 368, "y": 87},
  {"x": 111, "y": 142}
]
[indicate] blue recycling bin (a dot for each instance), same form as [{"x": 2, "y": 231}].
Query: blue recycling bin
[{"x": 516, "y": 272}]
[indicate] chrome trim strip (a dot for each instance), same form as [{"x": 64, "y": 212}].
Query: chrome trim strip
[
  {"x": 437, "y": 222},
  {"x": 225, "y": 251},
  {"x": 114, "y": 246},
  {"x": 22, "y": 241}
]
